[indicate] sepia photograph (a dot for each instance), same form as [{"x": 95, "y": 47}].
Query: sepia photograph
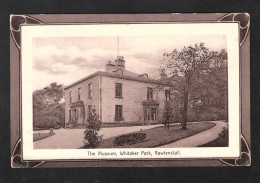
[{"x": 130, "y": 91}]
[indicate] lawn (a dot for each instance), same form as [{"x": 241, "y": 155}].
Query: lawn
[
  {"x": 159, "y": 136},
  {"x": 39, "y": 136},
  {"x": 221, "y": 141}
]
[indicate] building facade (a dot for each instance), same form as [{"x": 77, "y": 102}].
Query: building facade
[{"x": 117, "y": 95}]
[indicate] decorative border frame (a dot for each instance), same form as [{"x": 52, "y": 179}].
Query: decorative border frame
[{"x": 16, "y": 157}]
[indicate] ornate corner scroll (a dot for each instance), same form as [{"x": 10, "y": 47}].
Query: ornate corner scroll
[
  {"x": 15, "y": 29},
  {"x": 245, "y": 156},
  {"x": 17, "y": 161},
  {"x": 244, "y": 23},
  {"x": 15, "y": 26}
]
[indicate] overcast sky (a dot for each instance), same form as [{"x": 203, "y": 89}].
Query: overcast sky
[{"x": 65, "y": 60}]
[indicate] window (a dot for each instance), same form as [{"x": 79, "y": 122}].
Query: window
[
  {"x": 70, "y": 97},
  {"x": 167, "y": 95},
  {"x": 90, "y": 92},
  {"x": 79, "y": 93},
  {"x": 153, "y": 114},
  {"x": 118, "y": 114},
  {"x": 69, "y": 115},
  {"x": 150, "y": 113},
  {"x": 76, "y": 114},
  {"x": 118, "y": 90},
  {"x": 149, "y": 94},
  {"x": 89, "y": 110}
]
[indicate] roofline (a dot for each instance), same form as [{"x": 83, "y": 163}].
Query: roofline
[
  {"x": 101, "y": 73},
  {"x": 81, "y": 80}
]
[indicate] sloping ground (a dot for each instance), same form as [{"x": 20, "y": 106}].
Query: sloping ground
[
  {"x": 39, "y": 136},
  {"x": 159, "y": 136}
]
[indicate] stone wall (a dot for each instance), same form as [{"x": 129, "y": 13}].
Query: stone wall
[
  {"x": 94, "y": 101},
  {"x": 134, "y": 93}
]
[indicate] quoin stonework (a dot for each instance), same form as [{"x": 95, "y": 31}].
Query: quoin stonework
[{"x": 117, "y": 95}]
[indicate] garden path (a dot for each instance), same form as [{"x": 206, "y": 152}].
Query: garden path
[
  {"x": 199, "y": 138},
  {"x": 73, "y": 138}
]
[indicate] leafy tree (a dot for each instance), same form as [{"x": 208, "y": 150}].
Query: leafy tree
[
  {"x": 91, "y": 137},
  {"x": 186, "y": 66},
  {"x": 48, "y": 108}
]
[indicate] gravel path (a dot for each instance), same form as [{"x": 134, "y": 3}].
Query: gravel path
[
  {"x": 73, "y": 138},
  {"x": 199, "y": 138}
]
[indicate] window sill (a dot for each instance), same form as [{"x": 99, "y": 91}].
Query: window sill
[{"x": 119, "y": 97}]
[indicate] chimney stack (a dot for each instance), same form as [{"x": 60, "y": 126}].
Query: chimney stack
[
  {"x": 110, "y": 66},
  {"x": 120, "y": 63}
]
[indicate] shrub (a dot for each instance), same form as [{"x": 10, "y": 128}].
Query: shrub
[
  {"x": 91, "y": 137},
  {"x": 208, "y": 113},
  {"x": 129, "y": 139},
  {"x": 167, "y": 115},
  {"x": 223, "y": 136},
  {"x": 45, "y": 121},
  {"x": 49, "y": 117}
]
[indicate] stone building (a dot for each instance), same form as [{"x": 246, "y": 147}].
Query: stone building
[{"x": 118, "y": 96}]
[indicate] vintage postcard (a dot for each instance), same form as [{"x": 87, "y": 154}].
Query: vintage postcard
[{"x": 136, "y": 91}]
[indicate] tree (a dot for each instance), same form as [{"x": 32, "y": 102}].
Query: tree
[
  {"x": 91, "y": 137},
  {"x": 48, "y": 107},
  {"x": 167, "y": 115},
  {"x": 184, "y": 66}
]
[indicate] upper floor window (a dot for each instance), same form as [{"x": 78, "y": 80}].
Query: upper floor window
[
  {"x": 70, "y": 97},
  {"x": 90, "y": 90},
  {"x": 79, "y": 93},
  {"x": 149, "y": 93},
  {"x": 167, "y": 95},
  {"x": 118, "y": 92}
]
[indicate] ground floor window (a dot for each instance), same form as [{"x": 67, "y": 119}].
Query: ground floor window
[
  {"x": 150, "y": 113},
  {"x": 119, "y": 113},
  {"x": 89, "y": 110},
  {"x": 73, "y": 115},
  {"x": 76, "y": 114},
  {"x": 153, "y": 114}
]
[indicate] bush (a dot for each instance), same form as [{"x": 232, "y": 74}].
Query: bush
[
  {"x": 207, "y": 114},
  {"x": 91, "y": 137},
  {"x": 223, "y": 136},
  {"x": 49, "y": 117},
  {"x": 129, "y": 139},
  {"x": 45, "y": 121}
]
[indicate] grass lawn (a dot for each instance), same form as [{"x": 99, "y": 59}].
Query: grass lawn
[
  {"x": 39, "y": 136},
  {"x": 215, "y": 143},
  {"x": 221, "y": 141},
  {"x": 159, "y": 136}
]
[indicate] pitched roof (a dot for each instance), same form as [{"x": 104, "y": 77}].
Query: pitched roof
[{"x": 126, "y": 75}]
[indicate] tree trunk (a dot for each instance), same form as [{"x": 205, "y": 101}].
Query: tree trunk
[
  {"x": 184, "y": 112},
  {"x": 185, "y": 103}
]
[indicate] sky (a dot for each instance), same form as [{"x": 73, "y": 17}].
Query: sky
[{"x": 67, "y": 59}]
